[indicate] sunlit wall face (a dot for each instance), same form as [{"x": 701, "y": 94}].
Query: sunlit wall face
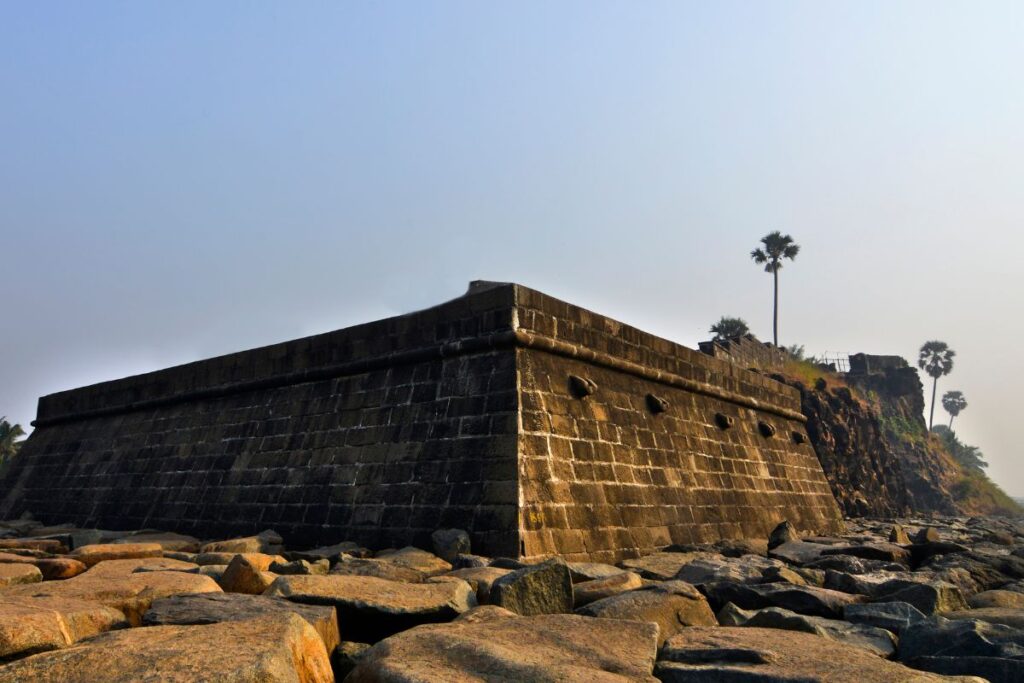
[{"x": 181, "y": 181}]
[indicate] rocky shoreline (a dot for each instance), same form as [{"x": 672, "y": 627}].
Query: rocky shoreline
[{"x": 916, "y": 599}]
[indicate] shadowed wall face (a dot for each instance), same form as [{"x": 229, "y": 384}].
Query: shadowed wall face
[{"x": 536, "y": 425}]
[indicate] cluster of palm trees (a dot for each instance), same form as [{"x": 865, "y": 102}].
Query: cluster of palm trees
[{"x": 936, "y": 358}]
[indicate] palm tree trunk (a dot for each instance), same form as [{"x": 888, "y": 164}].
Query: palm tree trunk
[
  {"x": 931, "y": 415},
  {"x": 775, "y": 321},
  {"x": 951, "y": 422}
]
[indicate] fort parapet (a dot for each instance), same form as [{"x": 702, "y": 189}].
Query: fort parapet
[{"x": 536, "y": 425}]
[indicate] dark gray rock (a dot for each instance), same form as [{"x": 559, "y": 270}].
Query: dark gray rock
[
  {"x": 345, "y": 657},
  {"x": 450, "y": 543},
  {"x": 930, "y": 597},
  {"x": 797, "y": 552},
  {"x": 892, "y": 616},
  {"x": 880, "y": 552},
  {"x": 811, "y": 600},
  {"x": 319, "y": 567}
]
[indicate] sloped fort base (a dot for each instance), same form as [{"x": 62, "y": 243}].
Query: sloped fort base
[{"x": 536, "y": 425}]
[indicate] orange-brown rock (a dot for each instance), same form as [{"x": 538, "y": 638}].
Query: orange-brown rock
[
  {"x": 131, "y": 593},
  {"x": 54, "y": 568},
  {"x": 279, "y": 649},
  {"x": 260, "y": 560},
  {"x": 370, "y": 609},
  {"x": 213, "y": 608},
  {"x": 167, "y": 540},
  {"x": 265, "y": 542},
  {"x": 243, "y": 576},
  {"x": 553, "y": 647},
  {"x": 29, "y": 625},
  {"x": 102, "y": 552},
  {"x": 17, "y": 573},
  {"x": 48, "y": 545}
]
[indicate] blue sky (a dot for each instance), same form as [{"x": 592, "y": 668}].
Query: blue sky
[{"x": 186, "y": 179}]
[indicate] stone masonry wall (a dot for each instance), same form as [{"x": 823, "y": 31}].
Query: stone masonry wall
[
  {"x": 607, "y": 475},
  {"x": 747, "y": 352},
  {"x": 536, "y": 425},
  {"x": 383, "y": 453}
]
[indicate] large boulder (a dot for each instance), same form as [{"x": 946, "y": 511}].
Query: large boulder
[
  {"x": 414, "y": 558},
  {"x": 90, "y": 555},
  {"x": 29, "y": 625},
  {"x": 168, "y": 540},
  {"x": 131, "y": 593},
  {"x": 56, "y": 568},
  {"x": 797, "y": 552},
  {"x": 875, "y": 640},
  {"x": 591, "y": 571},
  {"x": 481, "y": 579},
  {"x": 783, "y": 533},
  {"x": 672, "y": 605},
  {"x": 741, "y": 570},
  {"x": 545, "y": 588},
  {"x": 662, "y": 566},
  {"x": 370, "y": 609},
  {"x": 1007, "y": 616},
  {"x": 268, "y": 542},
  {"x": 544, "y": 648},
  {"x": 964, "y": 647},
  {"x": 354, "y": 566},
  {"x": 931, "y": 597},
  {"x": 214, "y": 608},
  {"x": 598, "y": 589},
  {"x": 742, "y": 655},
  {"x": 278, "y": 649},
  {"x": 892, "y": 616},
  {"x": 997, "y": 598},
  {"x": 820, "y": 602},
  {"x": 243, "y": 576},
  {"x": 17, "y": 573},
  {"x": 450, "y": 543}
]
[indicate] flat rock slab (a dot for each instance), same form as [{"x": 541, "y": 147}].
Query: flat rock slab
[
  {"x": 892, "y": 616},
  {"x": 672, "y": 605},
  {"x": 997, "y": 598},
  {"x": 591, "y": 571},
  {"x": 30, "y": 625},
  {"x": 47, "y": 545},
  {"x": 167, "y": 540},
  {"x": 819, "y": 602},
  {"x": 132, "y": 593},
  {"x": 1007, "y": 616},
  {"x": 798, "y": 552},
  {"x": 214, "y": 608},
  {"x": 264, "y": 542},
  {"x": 873, "y": 639},
  {"x": 598, "y": 589},
  {"x": 90, "y": 555},
  {"x": 741, "y": 655},
  {"x": 370, "y": 609},
  {"x": 15, "y": 574},
  {"x": 283, "y": 649},
  {"x": 545, "y": 648},
  {"x": 662, "y": 566},
  {"x": 352, "y": 566},
  {"x": 413, "y": 558}
]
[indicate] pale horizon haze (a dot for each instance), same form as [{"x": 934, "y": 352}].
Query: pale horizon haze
[{"x": 184, "y": 180}]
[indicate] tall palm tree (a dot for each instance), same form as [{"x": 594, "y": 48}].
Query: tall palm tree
[
  {"x": 953, "y": 402},
  {"x": 935, "y": 358},
  {"x": 729, "y": 328},
  {"x": 776, "y": 247},
  {"x": 9, "y": 435}
]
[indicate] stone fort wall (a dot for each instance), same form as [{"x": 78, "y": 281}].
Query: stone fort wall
[{"x": 536, "y": 425}]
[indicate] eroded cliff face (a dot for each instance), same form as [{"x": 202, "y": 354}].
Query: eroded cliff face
[{"x": 871, "y": 439}]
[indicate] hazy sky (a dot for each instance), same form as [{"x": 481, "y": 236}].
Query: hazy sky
[{"x": 188, "y": 179}]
